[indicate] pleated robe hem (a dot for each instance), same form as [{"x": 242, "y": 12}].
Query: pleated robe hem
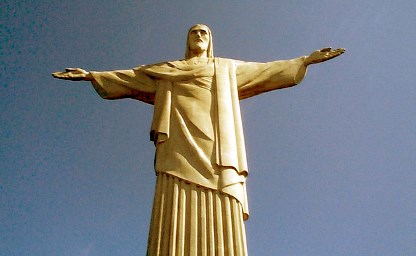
[{"x": 191, "y": 220}]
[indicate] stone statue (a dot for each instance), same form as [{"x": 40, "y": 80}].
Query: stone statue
[{"x": 200, "y": 202}]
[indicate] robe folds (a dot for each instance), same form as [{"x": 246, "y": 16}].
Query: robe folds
[{"x": 196, "y": 127}]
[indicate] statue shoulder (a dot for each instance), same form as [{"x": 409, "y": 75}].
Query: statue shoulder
[
  {"x": 228, "y": 60},
  {"x": 162, "y": 64}
]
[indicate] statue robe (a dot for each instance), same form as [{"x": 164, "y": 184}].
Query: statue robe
[
  {"x": 200, "y": 197},
  {"x": 181, "y": 109}
]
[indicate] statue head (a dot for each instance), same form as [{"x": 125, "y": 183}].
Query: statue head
[{"x": 204, "y": 43}]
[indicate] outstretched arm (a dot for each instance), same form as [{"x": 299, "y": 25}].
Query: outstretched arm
[
  {"x": 117, "y": 84},
  {"x": 256, "y": 78},
  {"x": 74, "y": 74}
]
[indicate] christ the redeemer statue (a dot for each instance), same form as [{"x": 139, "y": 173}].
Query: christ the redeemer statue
[{"x": 200, "y": 202}]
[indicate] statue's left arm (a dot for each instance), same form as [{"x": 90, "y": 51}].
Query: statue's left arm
[{"x": 256, "y": 78}]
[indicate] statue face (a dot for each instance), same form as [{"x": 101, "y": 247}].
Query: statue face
[{"x": 198, "y": 39}]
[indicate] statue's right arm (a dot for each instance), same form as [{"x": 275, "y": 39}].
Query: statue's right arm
[{"x": 117, "y": 84}]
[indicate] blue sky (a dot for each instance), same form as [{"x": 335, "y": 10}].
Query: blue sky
[{"x": 332, "y": 161}]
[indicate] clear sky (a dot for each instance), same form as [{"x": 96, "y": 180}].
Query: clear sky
[{"x": 332, "y": 161}]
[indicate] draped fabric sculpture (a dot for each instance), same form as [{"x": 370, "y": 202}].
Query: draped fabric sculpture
[{"x": 200, "y": 202}]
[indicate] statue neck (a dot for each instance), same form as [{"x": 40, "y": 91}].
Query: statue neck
[
  {"x": 198, "y": 54},
  {"x": 195, "y": 60}
]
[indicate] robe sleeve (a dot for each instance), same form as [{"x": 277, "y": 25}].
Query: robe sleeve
[
  {"x": 256, "y": 78},
  {"x": 133, "y": 83}
]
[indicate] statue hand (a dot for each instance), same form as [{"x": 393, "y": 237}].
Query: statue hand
[
  {"x": 323, "y": 55},
  {"x": 74, "y": 74}
]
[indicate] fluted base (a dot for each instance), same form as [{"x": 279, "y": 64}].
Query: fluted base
[{"x": 192, "y": 220}]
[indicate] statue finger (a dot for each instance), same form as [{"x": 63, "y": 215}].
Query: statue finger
[
  {"x": 327, "y": 49},
  {"x": 60, "y": 75},
  {"x": 334, "y": 54},
  {"x": 341, "y": 50}
]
